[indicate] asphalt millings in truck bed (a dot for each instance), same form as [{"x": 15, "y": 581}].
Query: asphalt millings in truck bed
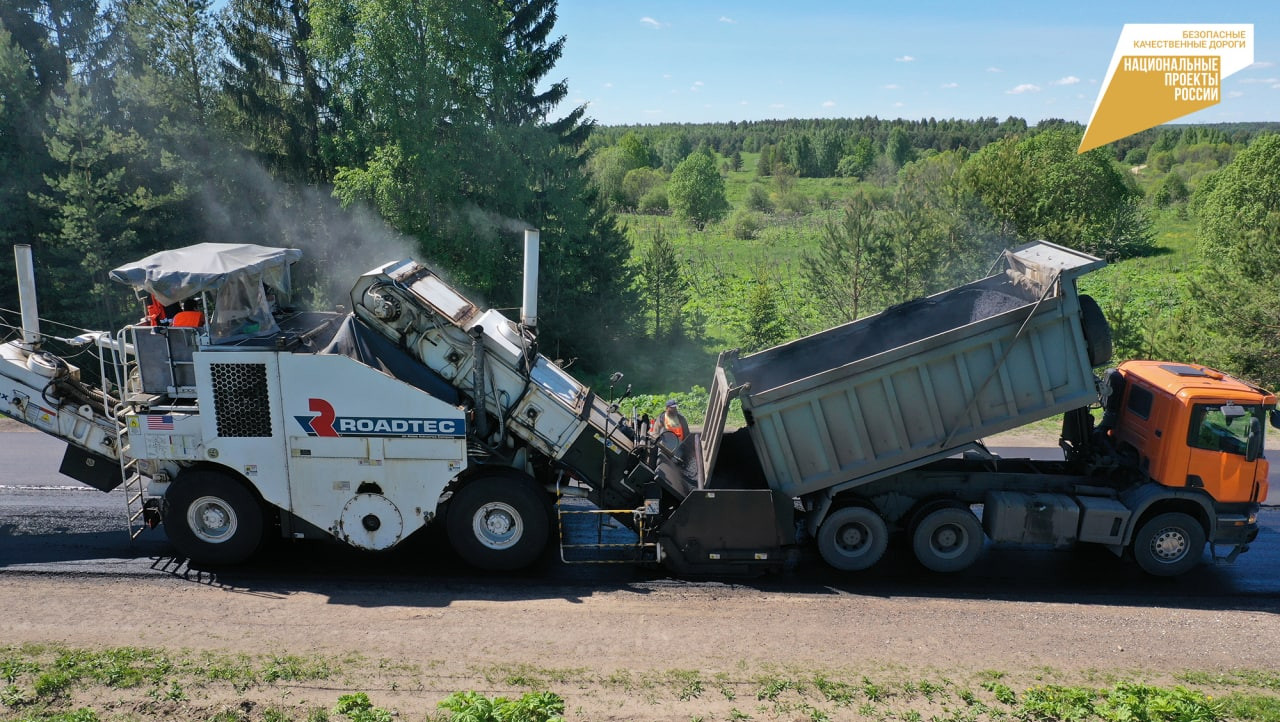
[{"x": 896, "y": 326}]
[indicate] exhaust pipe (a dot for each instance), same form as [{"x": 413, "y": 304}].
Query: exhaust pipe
[
  {"x": 477, "y": 384},
  {"x": 529, "y": 309},
  {"x": 27, "y": 296}
]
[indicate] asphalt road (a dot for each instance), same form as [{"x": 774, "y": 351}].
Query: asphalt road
[{"x": 53, "y": 525}]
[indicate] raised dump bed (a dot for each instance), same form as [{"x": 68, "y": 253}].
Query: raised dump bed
[{"x": 921, "y": 380}]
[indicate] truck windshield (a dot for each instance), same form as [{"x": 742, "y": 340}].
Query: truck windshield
[{"x": 1223, "y": 427}]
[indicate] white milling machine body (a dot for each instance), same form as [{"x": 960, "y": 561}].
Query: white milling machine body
[{"x": 362, "y": 427}]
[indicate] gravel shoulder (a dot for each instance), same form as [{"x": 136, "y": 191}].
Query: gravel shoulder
[{"x": 581, "y": 643}]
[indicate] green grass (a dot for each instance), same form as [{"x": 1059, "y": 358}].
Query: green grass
[{"x": 78, "y": 685}]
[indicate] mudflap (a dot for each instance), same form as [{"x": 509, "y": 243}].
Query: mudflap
[{"x": 727, "y": 532}]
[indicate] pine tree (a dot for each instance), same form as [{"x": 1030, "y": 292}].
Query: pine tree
[
  {"x": 94, "y": 211},
  {"x": 280, "y": 104},
  {"x": 462, "y": 156},
  {"x": 664, "y": 287}
]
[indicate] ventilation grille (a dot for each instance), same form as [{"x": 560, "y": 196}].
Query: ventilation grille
[{"x": 240, "y": 400}]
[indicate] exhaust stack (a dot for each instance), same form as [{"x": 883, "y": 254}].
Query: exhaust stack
[
  {"x": 529, "y": 309},
  {"x": 27, "y": 296}
]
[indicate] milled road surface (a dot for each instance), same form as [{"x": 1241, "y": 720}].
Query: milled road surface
[{"x": 68, "y": 573}]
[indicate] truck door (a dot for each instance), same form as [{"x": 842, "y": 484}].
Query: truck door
[{"x": 1218, "y": 439}]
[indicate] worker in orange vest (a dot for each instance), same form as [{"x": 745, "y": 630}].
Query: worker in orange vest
[{"x": 671, "y": 420}]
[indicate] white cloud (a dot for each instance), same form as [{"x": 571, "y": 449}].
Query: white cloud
[
  {"x": 1276, "y": 86},
  {"x": 1024, "y": 88},
  {"x": 899, "y": 104},
  {"x": 1261, "y": 64},
  {"x": 1259, "y": 80},
  {"x": 1069, "y": 80},
  {"x": 891, "y": 86},
  {"x": 744, "y": 102},
  {"x": 1235, "y": 94},
  {"x": 950, "y": 85},
  {"x": 725, "y": 19},
  {"x": 666, "y": 76},
  {"x": 651, "y": 22},
  {"x": 608, "y": 85},
  {"x": 829, "y": 104},
  {"x": 994, "y": 69},
  {"x": 904, "y": 59},
  {"x": 777, "y": 106}
]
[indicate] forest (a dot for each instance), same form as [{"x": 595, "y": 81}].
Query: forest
[{"x": 364, "y": 131}]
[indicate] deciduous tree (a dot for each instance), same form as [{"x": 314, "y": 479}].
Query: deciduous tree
[
  {"x": 1042, "y": 189},
  {"x": 696, "y": 190},
  {"x": 1239, "y": 227}
]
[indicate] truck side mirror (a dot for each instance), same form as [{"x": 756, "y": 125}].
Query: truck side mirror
[
  {"x": 1275, "y": 418},
  {"x": 1253, "y": 447}
]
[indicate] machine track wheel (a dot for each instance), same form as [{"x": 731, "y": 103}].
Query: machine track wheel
[
  {"x": 212, "y": 518},
  {"x": 499, "y": 522}
]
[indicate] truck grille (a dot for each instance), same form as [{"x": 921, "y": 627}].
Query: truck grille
[{"x": 240, "y": 400}]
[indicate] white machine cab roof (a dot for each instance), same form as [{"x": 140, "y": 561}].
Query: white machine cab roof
[{"x": 181, "y": 273}]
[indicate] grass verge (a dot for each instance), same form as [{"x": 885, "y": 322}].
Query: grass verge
[{"x": 51, "y": 683}]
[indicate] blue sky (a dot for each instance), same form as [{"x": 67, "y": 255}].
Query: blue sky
[{"x": 655, "y": 61}]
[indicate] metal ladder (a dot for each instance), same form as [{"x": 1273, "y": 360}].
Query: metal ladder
[{"x": 122, "y": 366}]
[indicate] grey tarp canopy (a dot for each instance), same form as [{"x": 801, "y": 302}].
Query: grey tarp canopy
[{"x": 172, "y": 276}]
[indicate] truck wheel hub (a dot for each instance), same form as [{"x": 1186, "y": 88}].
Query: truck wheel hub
[
  {"x": 852, "y": 536},
  {"x": 497, "y": 525},
  {"x": 946, "y": 538},
  {"x": 211, "y": 519},
  {"x": 1169, "y": 545}
]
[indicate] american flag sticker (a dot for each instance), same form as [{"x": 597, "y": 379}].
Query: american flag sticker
[{"x": 160, "y": 423}]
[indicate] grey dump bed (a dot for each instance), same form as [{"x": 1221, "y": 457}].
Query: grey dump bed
[{"x": 918, "y": 381}]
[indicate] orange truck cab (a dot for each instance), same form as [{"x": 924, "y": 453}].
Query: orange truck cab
[{"x": 1190, "y": 428}]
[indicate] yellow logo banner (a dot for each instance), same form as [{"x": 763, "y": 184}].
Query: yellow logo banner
[{"x": 1162, "y": 72}]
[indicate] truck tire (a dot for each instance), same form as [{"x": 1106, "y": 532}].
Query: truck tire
[
  {"x": 1097, "y": 332},
  {"x": 947, "y": 539},
  {"x": 498, "y": 523},
  {"x": 1169, "y": 544},
  {"x": 211, "y": 518},
  {"x": 852, "y": 538}
]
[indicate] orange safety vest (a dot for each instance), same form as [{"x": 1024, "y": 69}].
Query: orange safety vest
[
  {"x": 155, "y": 312},
  {"x": 189, "y": 319},
  {"x": 672, "y": 424}
]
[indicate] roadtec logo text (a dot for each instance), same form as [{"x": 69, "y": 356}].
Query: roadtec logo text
[{"x": 327, "y": 423}]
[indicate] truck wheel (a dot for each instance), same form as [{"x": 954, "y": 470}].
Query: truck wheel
[
  {"x": 1169, "y": 544},
  {"x": 853, "y": 538},
  {"x": 948, "y": 539},
  {"x": 211, "y": 518},
  {"x": 498, "y": 523},
  {"x": 1097, "y": 332}
]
